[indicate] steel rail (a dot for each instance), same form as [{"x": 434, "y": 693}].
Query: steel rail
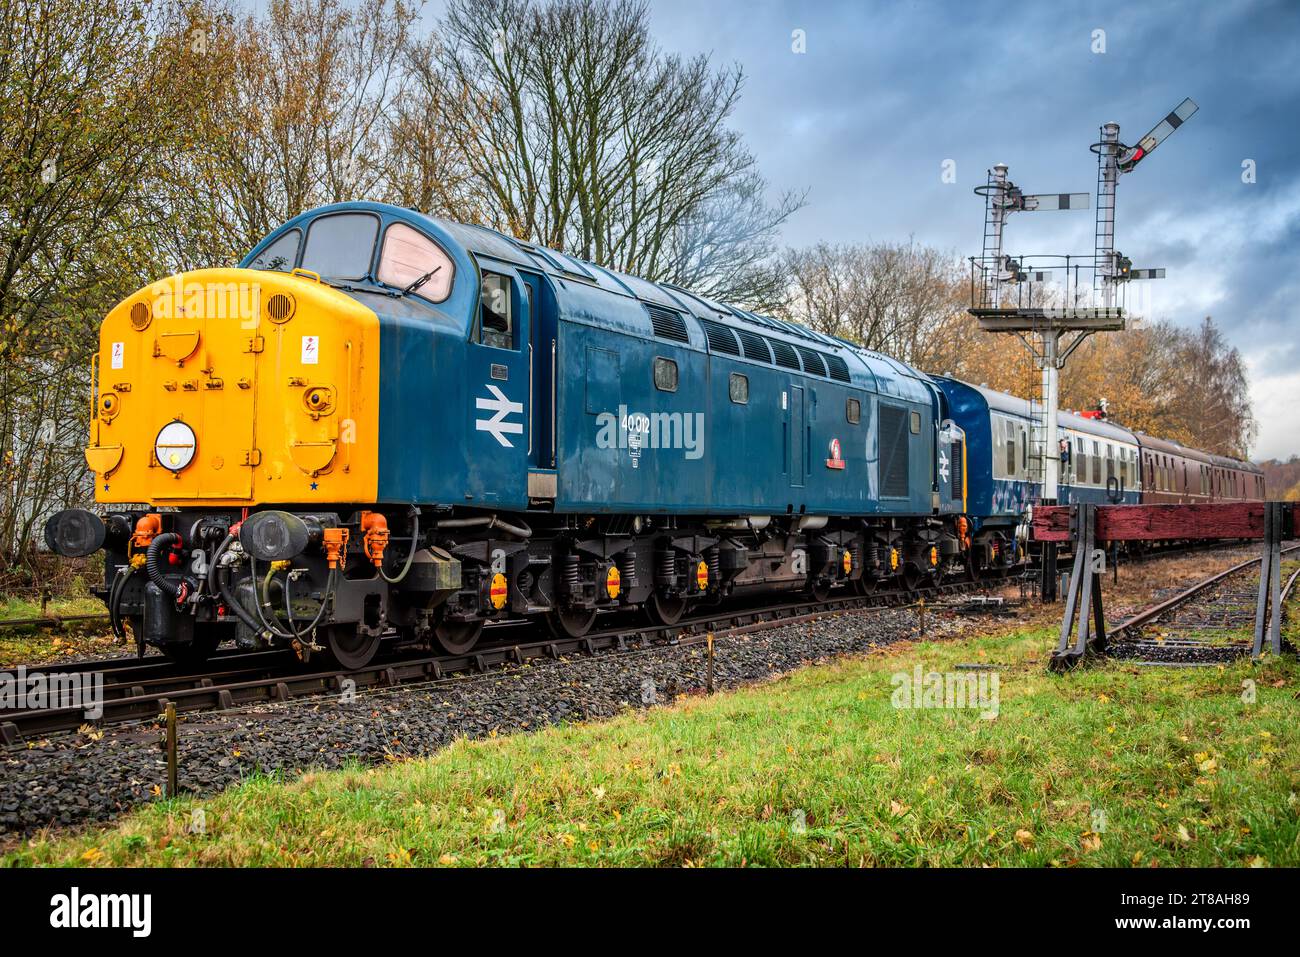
[
  {"x": 1169, "y": 604},
  {"x": 210, "y": 696}
]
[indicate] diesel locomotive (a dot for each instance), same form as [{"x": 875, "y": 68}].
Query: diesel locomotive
[{"x": 387, "y": 426}]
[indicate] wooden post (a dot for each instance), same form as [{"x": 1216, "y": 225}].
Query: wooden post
[
  {"x": 1084, "y": 596},
  {"x": 171, "y": 750},
  {"x": 708, "y": 683},
  {"x": 1047, "y": 588},
  {"x": 921, "y": 608},
  {"x": 1270, "y": 585}
]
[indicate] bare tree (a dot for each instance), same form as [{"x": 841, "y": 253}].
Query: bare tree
[
  {"x": 579, "y": 133},
  {"x": 87, "y": 116},
  {"x": 297, "y": 111},
  {"x": 903, "y": 299}
]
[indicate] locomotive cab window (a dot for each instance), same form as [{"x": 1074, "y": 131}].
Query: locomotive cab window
[
  {"x": 739, "y": 388},
  {"x": 496, "y": 325},
  {"x": 665, "y": 374},
  {"x": 340, "y": 246},
  {"x": 853, "y": 411},
  {"x": 281, "y": 255},
  {"x": 411, "y": 260}
]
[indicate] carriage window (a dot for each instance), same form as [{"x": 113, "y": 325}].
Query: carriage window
[
  {"x": 496, "y": 327},
  {"x": 1080, "y": 461},
  {"x": 665, "y": 375},
  {"x": 1024, "y": 449},
  {"x": 281, "y": 254},
  {"x": 410, "y": 257},
  {"x": 1096, "y": 463},
  {"x": 853, "y": 411},
  {"x": 739, "y": 388},
  {"x": 1011, "y": 449},
  {"x": 340, "y": 246}
]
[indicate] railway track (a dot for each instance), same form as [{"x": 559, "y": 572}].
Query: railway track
[
  {"x": 1200, "y": 626},
  {"x": 136, "y": 690}
]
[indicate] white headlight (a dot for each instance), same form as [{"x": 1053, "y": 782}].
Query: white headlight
[{"x": 175, "y": 446}]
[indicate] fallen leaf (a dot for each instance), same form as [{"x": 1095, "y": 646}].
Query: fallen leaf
[{"x": 1024, "y": 838}]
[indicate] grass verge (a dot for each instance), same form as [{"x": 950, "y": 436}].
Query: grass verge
[
  {"x": 1115, "y": 765},
  {"x": 29, "y": 644}
]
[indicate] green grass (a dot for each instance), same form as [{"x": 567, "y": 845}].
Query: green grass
[
  {"x": 30, "y": 644},
  {"x": 1183, "y": 771}
]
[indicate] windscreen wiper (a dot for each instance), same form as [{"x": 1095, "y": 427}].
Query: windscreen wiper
[{"x": 420, "y": 282}]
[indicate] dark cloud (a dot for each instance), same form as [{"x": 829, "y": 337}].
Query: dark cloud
[{"x": 887, "y": 91}]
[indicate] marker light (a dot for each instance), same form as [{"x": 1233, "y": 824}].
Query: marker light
[{"x": 175, "y": 446}]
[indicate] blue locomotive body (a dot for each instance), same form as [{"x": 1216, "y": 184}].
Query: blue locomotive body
[
  {"x": 612, "y": 394},
  {"x": 449, "y": 426}
]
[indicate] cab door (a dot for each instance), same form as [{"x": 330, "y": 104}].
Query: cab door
[
  {"x": 542, "y": 360},
  {"x": 497, "y": 390}
]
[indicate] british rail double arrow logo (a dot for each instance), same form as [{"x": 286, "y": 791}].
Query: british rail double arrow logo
[{"x": 503, "y": 409}]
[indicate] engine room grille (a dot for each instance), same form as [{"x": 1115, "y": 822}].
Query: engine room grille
[
  {"x": 785, "y": 355},
  {"x": 894, "y": 447},
  {"x": 754, "y": 346},
  {"x": 839, "y": 369},
  {"x": 812, "y": 361},
  {"x": 668, "y": 324},
  {"x": 720, "y": 338}
]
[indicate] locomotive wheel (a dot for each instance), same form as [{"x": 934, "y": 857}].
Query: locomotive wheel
[
  {"x": 820, "y": 592},
  {"x": 864, "y": 585},
  {"x": 665, "y": 609},
  {"x": 194, "y": 653},
  {"x": 573, "y": 623},
  {"x": 457, "y": 637},
  {"x": 912, "y": 577},
  {"x": 349, "y": 647}
]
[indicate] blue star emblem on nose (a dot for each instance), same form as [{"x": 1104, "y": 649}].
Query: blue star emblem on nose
[{"x": 314, "y": 486}]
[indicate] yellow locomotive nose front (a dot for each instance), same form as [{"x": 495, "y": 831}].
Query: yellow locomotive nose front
[{"x": 235, "y": 386}]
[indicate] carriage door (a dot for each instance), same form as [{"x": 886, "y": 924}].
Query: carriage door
[
  {"x": 497, "y": 375},
  {"x": 795, "y": 432},
  {"x": 542, "y": 361}
]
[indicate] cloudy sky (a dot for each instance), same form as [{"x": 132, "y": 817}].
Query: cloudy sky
[{"x": 886, "y": 92}]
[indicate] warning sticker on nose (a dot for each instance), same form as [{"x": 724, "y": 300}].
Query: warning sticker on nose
[
  {"x": 310, "y": 350},
  {"x": 119, "y": 353}
]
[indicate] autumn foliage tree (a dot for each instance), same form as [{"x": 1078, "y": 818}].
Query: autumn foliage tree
[{"x": 144, "y": 137}]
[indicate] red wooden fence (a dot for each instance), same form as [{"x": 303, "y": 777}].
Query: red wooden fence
[{"x": 1154, "y": 523}]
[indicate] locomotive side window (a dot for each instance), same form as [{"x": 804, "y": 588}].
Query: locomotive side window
[
  {"x": 916, "y": 423},
  {"x": 281, "y": 254},
  {"x": 739, "y": 388},
  {"x": 853, "y": 411},
  {"x": 665, "y": 374},
  {"x": 410, "y": 258},
  {"x": 340, "y": 246},
  {"x": 496, "y": 327}
]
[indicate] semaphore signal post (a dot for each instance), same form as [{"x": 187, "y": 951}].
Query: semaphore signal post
[{"x": 1052, "y": 303}]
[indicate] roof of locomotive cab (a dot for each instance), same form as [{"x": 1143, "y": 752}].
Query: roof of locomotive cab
[{"x": 576, "y": 280}]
